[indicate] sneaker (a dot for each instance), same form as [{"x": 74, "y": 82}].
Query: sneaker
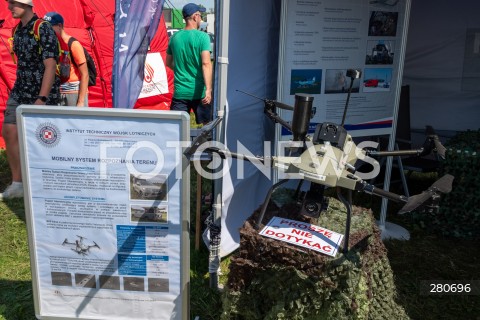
[{"x": 12, "y": 191}]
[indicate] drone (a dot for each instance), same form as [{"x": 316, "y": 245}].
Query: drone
[
  {"x": 327, "y": 159},
  {"x": 79, "y": 247}
]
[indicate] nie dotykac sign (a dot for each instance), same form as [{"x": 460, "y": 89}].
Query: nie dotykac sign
[{"x": 303, "y": 234}]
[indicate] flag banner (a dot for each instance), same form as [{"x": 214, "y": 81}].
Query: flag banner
[{"x": 135, "y": 25}]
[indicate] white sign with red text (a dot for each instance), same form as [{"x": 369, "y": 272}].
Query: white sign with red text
[{"x": 304, "y": 235}]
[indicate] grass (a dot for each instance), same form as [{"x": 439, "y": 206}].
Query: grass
[{"x": 425, "y": 256}]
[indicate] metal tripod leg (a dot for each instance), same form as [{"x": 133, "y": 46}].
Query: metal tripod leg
[
  {"x": 267, "y": 201},
  {"x": 349, "y": 219}
]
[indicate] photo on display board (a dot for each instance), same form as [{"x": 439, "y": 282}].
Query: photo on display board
[
  {"x": 377, "y": 79},
  {"x": 336, "y": 81},
  {"x": 384, "y": 3},
  {"x": 85, "y": 280},
  {"x": 380, "y": 52},
  {"x": 157, "y": 214},
  {"x": 306, "y": 81},
  {"x": 148, "y": 188},
  {"x": 383, "y": 24}
]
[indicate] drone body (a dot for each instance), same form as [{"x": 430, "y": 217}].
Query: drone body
[{"x": 79, "y": 246}]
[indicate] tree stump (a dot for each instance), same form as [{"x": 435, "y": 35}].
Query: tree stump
[{"x": 271, "y": 279}]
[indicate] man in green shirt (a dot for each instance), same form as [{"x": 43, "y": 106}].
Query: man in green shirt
[{"x": 188, "y": 55}]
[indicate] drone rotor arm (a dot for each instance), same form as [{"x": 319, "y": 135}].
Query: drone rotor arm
[
  {"x": 371, "y": 189},
  {"x": 204, "y": 136},
  {"x": 276, "y": 118},
  {"x": 283, "y": 106}
]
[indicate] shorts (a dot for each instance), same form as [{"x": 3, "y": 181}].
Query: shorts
[
  {"x": 70, "y": 99},
  {"x": 11, "y": 111},
  {"x": 203, "y": 112}
]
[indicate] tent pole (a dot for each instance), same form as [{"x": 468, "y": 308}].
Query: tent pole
[{"x": 221, "y": 38}]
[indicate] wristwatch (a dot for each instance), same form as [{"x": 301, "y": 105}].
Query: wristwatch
[{"x": 43, "y": 98}]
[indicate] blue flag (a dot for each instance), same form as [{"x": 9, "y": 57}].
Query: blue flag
[{"x": 136, "y": 22}]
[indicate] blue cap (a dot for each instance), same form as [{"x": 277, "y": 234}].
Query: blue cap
[
  {"x": 191, "y": 8},
  {"x": 53, "y": 17}
]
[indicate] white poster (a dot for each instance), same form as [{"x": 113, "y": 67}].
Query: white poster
[
  {"x": 323, "y": 39},
  {"x": 106, "y": 211}
]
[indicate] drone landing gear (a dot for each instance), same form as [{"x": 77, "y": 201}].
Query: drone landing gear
[{"x": 349, "y": 219}]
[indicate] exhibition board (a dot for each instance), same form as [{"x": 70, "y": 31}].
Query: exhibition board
[{"x": 107, "y": 210}]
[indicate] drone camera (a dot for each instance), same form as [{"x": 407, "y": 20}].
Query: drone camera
[{"x": 330, "y": 132}]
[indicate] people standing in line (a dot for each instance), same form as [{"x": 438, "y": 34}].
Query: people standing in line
[
  {"x": 36, "y": 83},
  {"x": 74, "y": 92},
  {"x": 188, "y": 55}
]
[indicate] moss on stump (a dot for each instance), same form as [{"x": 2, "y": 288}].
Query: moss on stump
[{"x": 270, "y": 279}]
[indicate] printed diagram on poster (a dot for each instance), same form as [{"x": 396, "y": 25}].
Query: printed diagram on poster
[
  {"x": 79, "y": 246},
  {"x": 303, "y": 234}
]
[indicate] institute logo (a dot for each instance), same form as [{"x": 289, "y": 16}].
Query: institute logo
[{"x": 48, "y": 135}]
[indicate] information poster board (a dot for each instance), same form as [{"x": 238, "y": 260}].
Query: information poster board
[
  {"x": 322, "y": 39},
  {"x": 107, "y": 207}
]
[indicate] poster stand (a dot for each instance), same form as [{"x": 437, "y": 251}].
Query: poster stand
[
  {"x": 320, "y": 41},
  {"x": 107, "y": 210}
]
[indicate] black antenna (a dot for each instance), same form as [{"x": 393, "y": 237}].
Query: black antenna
[{"x": 353, "y": 74}]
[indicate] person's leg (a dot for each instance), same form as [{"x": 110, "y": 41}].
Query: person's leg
[
  {"x": 63, "y": 99},
  {"x": 70, "y": 99},
  {"x": 10, "y": 135},
  {"x": 203, "y": 113},
  {"x": 179, "y": 105}
]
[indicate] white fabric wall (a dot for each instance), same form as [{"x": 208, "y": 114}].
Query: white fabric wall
[
  {"x": 253, "y": 56},
  {"x": 434, "y": 65}
]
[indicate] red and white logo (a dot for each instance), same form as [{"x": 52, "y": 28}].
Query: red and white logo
[
  {"x": 149, "y": 73},
  {"x": 48, "y": 134}
]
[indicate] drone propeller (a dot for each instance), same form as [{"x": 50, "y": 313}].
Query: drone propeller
[
  {"x": 443, "y": 185},
  {"x": 270, "y": 103},
  {"x": 436, "y": 141}
]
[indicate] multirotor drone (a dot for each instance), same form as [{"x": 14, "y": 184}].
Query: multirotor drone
[
  {"x": 328, "y": 159},
  {"x": 79, "y": 246}
]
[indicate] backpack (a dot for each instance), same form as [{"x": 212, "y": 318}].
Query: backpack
[
  {"x": 92, "y": 70},
  {"x": 63, "y": 64}
]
